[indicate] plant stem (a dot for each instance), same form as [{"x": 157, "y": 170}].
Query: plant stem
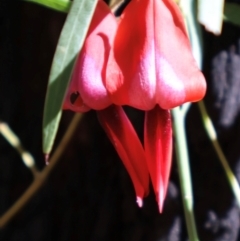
[
  {"x": 189, "y": 11},
  {"x": 41, "y": 177},
  {"x": 184, "y": 171},
  {"x": 208, "y": 125},
  {"x": 15, "y": 142}
]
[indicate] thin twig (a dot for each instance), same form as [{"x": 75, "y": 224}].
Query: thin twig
[
  {"x": 189, "y": 11},
  {"x": 184, "y": 171},
  {"x": 208, "y": 125},
  {"x": 14, "y": 141},
  {"x": 40, "y": 179}
]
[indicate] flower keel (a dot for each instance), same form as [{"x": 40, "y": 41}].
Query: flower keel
[
  {"x": 158, "y": 149},
  {"x": 126, "y": 142}
]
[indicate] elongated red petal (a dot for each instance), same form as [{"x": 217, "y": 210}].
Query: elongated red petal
[
  {"x": 158, "y": 149},
  {"x": 126, "y": 142},
  {"x": 90, "y": 68},
  {"x": 151, "y": 61}
]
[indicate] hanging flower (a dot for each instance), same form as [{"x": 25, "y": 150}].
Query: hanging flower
[
  {"x": 151, "y": 68},
  {"x": 87, "y": 91},
  {"x": 145, "y": 62}
]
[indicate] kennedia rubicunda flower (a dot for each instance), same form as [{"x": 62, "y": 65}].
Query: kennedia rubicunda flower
[
  {"x": 144, "y": 61},
  {"x": 87, "y": 90},
  {"x": 151, "y": 67}
]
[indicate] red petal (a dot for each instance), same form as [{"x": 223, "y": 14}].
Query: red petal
[
  {"x": 178, "y": 77},
  {"x": 151, "y": 61},
  {"x": 126, "y": 142},
  {"x": 90, "y": 68},
  {"x": 158, "y": 149}
]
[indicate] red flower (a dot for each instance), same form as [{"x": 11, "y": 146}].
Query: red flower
[
  {"x": 151, "y": 67},
  {"x": 144, "y": 62},
  {"x": 87, "y": 91}
]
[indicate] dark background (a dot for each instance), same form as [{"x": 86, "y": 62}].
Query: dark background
[{"x": 89, "y": 195}]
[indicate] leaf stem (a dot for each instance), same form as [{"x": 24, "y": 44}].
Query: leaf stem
[
  {"x": 42, "y": 176},
  {"x": 15, "y": 142},
  {"x": 208, "y": 125},
  {"x": 184, "y": 171}
]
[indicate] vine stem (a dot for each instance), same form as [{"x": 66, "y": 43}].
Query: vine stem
[
  {"x": 184, "y": 171},
  {"x": 15, "y": 142},
  {"x": 41, "y": 177},
  {"x": 208, "y": 125}
]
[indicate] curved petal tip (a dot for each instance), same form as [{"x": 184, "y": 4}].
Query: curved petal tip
[
  {"x": 160, "y": 200},
  {"x": 139, "y": 202}
]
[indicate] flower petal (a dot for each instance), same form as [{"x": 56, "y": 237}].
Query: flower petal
[
  {"x": 151, "y": 61},
  {"x": 90, "y": 68},
  {"x": 158, "y": 149},
  {"x": 178, "y": 77},
  {"x": 126, "y": 142}
]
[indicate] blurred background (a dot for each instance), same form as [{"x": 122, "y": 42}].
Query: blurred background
[{"x": 89, "y": 195}]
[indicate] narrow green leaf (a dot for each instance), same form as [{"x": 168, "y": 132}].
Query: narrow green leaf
[
  {"x": 58, "y": 5},
  {"x": 232, "y": 13},
  {"x": 69, "y": 45}
]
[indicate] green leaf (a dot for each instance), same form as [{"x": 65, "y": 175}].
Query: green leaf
[
  {"x": 59, "y": 5},
  {"x": 232, "y": 13},
  {"x": 69, "y": 45}
]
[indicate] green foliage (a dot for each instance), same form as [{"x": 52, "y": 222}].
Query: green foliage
[{"x": 58, "y": 5}]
